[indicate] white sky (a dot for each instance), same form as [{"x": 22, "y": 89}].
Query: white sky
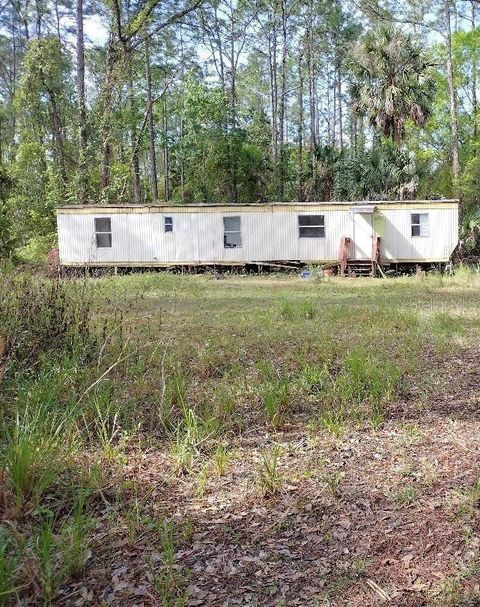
[{"x": 95, "y": 31}]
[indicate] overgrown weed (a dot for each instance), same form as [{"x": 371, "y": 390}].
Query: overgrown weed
[{"x": 270, "y": 477}]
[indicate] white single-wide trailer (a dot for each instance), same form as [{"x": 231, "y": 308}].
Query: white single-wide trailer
[{"x": 397, "y": 232}]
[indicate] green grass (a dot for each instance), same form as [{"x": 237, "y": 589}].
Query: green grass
[
  {"x": 98, "y": 369},
  {"x": 270, "y": 478}
]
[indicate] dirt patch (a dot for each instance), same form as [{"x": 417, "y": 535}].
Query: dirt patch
[{"x": 370, "y": 518}]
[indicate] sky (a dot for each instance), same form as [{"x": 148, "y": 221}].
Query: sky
[{"x": 95, "y": 30}]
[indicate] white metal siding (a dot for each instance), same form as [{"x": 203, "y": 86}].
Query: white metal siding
[
  {"x": 399, "y": 244},
  {"x": 270, "y": 235}
]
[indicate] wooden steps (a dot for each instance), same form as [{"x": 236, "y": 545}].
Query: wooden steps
[{"x": 359, "y": 267}]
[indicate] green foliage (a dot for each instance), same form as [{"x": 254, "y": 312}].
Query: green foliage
[
  {"x": 393, "y": 82},
  {"x": 381, "y": 172},
  {"x": 8, "y": 564},
  {"x": 274, "y": 395},
  {"x": 59, "y": 554},
  {"x": 270, "y": 477},
  {"x": 222, "y": 164},
  {"x": 39, "y": 317},
  {"x": 7, "y": 237},
  {"x": 42, "y": 164},
  {"x": 242, "y": 123},
  {"x": 471, "y": 178},
  {"x": 169, "y": 582},
  {"x": 34, "y": 452},
  {"x": 470, "y": 230},
  {"x": 221, "y": 459}
]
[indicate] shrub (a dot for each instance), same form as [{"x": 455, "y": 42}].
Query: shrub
[{"x": 41, "y": 318}]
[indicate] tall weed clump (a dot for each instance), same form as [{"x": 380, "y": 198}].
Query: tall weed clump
[
  {"x": 359, "y": 388},
  {"x": 41, "y": 319},
  {"x": 46, "y": 338},
  {"x": 36, "y": 445},
  {"x": 49, "y": 349},
  {"x": 8, "y": 563}
]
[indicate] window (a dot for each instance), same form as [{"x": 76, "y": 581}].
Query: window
[
  {"x": 103, "y": 232},
  {"x": 420, "y": 225},
  {"x": 232, "y": 235},
  {"x": 168, "y": 224},
  {"x": 311, "y": 226}
]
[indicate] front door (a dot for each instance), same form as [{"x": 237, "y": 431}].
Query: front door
[{"x": 362, "y": 235}]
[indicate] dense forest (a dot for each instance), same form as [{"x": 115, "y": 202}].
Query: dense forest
[{"x": 139, "y": 101}]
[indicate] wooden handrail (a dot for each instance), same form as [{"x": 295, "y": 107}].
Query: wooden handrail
[
  {"x": 375, "y": 249},
  {"x": 344, "y": 253},
  {"x": 375, "y": 257}
]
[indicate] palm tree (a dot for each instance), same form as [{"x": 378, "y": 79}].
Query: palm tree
[
  {"x": 383, "y": 172},
  {"x": 470, "y": 230},
  {"x": 393, "y": 81}
]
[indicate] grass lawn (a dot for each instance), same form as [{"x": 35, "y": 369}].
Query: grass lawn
[{"x": 189, "y": 440}]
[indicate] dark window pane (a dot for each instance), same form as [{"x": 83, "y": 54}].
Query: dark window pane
[
  {"x": 104, "y": 241},
  {"x": 415, "y": 218},
  {"x": 416, "y": 230},
  {"x": 231, "y": 224},
  {"x": 310, "y": 232},
  {"x": 232, "y": 240},
  {"x": 311, "y": 220},
  {"x": 103, "y": 224}
]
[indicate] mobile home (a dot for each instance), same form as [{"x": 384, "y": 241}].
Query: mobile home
[{"x": 343, "y": 233}]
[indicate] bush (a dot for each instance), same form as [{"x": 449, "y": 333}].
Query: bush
[{"x": 41, "y": 318}]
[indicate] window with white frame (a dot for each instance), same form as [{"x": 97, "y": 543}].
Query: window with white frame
[
  {"x": 103, "y": 232},
  {"x": 420, "y": 225},
  {"x": 232, "y": 233},
  {"x": 168, "y": 223},
  {"x": 311, "y": 226}
]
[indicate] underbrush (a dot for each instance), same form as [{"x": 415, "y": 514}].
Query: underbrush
[
  {"x": 54, "y": 357},
  {"x": 92, "y": 370}
]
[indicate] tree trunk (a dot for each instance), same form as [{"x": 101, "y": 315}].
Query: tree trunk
[
  {"x": 151, "y": 129},
  {"x": 57, "y": 20},
  {"x": 39, "y": 18},
  {"x": 58, "y": 137},
  {"x": 300, "y": 194},
  {"x": 105, "y": 127},
  {"x": 82, "y": 135},
  {"x": 312, "y": 98},
  {"x": 221, "y": 64},
  {"x": 14, "y": 78},
  {"x": 137, "y": 194},
  {"x": 182, "y": 127},
  {"x": 166, "y": 155},
  {"x": 233, "y": 107},
  {"x": 272, "y": 63},
  {"x": 453, "y": 100},
  {"x": 283, "y": 101},
  {"x": 474, "y": 75},
  {"x": 339, "y": 101}
]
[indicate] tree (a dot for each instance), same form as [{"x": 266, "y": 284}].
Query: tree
[
  {"x": 453, "y": 98},
  {"x": 127, "y": 25},
  {"x": 235, "y": 101},
  {"x": 383, "y": 172},
  {"x": 81, "y": 109},
  {"x": 7, "y": 241},
  {"x": 43, "y": 102},
  {"x": 393, "y": 82}
]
